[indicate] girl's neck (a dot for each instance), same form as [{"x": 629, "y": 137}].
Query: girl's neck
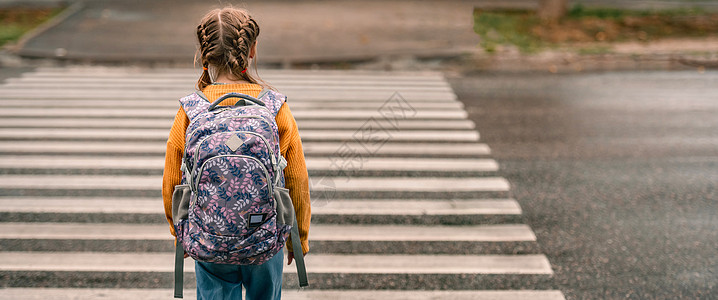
[{"x": 224, "y": 79}]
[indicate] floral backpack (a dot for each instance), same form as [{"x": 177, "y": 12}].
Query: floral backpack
[{"x": 232, "y": 207}]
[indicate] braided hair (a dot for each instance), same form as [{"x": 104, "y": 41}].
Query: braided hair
[{"x": 225, "y": 38}]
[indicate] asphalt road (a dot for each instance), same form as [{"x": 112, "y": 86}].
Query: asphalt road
[{"x": 617, "y": 173}]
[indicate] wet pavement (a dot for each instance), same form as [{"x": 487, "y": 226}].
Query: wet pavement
[
  {"x": 291, "y": 31},
  {"x": 617, "y": 173},
  {"x": 393, "y": 214},
  {"x": 396, "y": 34}
]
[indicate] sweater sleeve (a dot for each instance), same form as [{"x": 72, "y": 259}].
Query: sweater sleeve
[
  {"x": 296, "y": 177},
  {"x": 173, "y": 160}
]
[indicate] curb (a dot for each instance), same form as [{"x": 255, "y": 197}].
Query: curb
[
  {"x": 571, "y": 62},
  {"x": 68, "y": 12},
  {"x": 464, "y": 64},
  {"x": 272, "y": 62},
  {"x": 595, "y": 64}
]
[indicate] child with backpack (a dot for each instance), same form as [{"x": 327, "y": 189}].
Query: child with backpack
[{"x": 235, "y": 184}]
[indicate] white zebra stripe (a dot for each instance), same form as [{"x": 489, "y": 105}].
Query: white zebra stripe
[
  {"x": 320, "y": 232},
  {"x": 375, "y": 136},
  {"x": 165, "y": 123},
  {"x": 316, "y": 263},
  {"x": 324, "y": 184},
  {"x": 335, "y": 207},
  {"x": 313, "y": 163},
  {"x": 365, "y": 114},
  {"x": 161, "y": 294},
  {"x": 318, "y": 148}
]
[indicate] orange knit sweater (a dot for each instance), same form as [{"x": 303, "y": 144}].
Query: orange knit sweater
[{"x": 295, "y": 174}]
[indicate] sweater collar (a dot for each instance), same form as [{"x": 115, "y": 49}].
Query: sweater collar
[{"x": 214, "y": 91}]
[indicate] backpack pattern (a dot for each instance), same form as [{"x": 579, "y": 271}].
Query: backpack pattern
[{"x": 231, "y": 165}]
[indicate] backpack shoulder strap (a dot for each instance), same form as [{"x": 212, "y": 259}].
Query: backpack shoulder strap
[
  {"x": 194, "y": 104},
  {"x": 273, "y": 100},
  {"x": 298, "y": 255},
  {"x": 179, "y": 268}
]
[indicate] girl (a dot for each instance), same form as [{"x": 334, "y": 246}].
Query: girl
[{"x": 227, "y": 43}]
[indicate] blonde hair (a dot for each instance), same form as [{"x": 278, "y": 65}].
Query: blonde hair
[{"x": 225, "y": 38}]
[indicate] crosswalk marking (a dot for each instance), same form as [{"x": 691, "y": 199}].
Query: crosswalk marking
[
  {"x": 268, "y": 74},
  {"x": 160, "y": 93},
  {"x": 143, "y": 80},
  {"x": 159, "y": 148},
  {"x": 313, "y": 163},
  {"x": 320, "y": 232},
  {"x": 38, "y": 182},
  {"x": 81, "y": 205},
  {"x": 416, "y": 148},
  {"x": 420, "y": 207},
  {"x": 83, "y": 151},
  {"x": 140, "y": 104},
  {"x": 287, "y": 294},
  {"x": 418, "y": 184},
  {"x": 316, "y": 263},
  {"x": 310, "y": 135},
  {"x": 165, "y": 123},
  {"x": 286, "y": 88},
  {"x": 162, "y": 112},
  {"x": 336, "y": 206}
]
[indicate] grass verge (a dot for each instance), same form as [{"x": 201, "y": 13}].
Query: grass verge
[
  {"x": 581, "y": 25},
  {"x": 14, "y": 22}
]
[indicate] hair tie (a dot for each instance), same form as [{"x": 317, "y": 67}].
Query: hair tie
[
  {"x": 204, "y": 68},
  {"x": 245, "y": 70}
]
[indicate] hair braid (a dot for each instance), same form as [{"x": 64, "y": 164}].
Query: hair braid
[
  {"x": 226, "y": 37},
  {"x": 204, "y": 79},
  {"x": 242, "y": 38}
]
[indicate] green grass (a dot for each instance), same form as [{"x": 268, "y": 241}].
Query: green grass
[
  {"x": 594, "y": 50},
  {"x": 579, "y": 11},
  {"x": 16, "y": 22},
  {"x": 524, "y": 30},
  {"x": 11, "y": 33},
  {"x": 506, "y": 28}
]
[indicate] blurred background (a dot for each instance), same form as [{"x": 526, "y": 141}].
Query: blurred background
[
  {"x": 601, "y": 113},
  {"x": 559, "y": 35}
]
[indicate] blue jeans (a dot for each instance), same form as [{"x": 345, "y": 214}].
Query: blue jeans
[{"x": 220, "y": 281}]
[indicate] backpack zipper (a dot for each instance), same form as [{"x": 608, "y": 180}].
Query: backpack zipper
[
  {"x": 236, "y": 117},
  {"x": 269, "y": 146},
  {"x": 271, "y": 149}
]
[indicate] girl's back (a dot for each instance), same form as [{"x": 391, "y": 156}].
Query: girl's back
[{"x": 227, "y": 45}]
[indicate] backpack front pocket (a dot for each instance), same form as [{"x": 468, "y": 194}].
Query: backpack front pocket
[{"x": 228, "y": 187}]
